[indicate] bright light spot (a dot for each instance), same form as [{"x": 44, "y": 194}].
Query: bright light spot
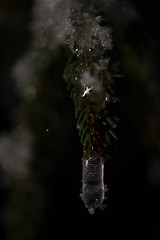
[
  {"x": 86, "y": 163},
  {"x": 87, "y": 90}
]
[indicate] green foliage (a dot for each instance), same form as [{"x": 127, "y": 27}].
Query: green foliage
[{"x": 96, "y": 119}]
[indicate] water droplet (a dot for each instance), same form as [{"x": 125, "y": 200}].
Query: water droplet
[
  {"x": 90, "y": 50},
  {"x": 47, "y": 130},
  {"x": 91, "y": 210}
]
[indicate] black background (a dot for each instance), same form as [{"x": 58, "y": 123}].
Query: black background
[{"x": 133, "y": 205}]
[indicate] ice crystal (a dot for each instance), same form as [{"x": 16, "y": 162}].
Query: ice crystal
[{"x": 87, "y": 34}]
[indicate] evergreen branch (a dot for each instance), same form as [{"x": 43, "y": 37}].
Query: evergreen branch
[
  {"x": 91, "y": 89},
  {"x": 89, "y": 78}
]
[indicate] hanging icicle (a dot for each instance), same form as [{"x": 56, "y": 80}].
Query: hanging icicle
[{"x": 89, "y": 78}]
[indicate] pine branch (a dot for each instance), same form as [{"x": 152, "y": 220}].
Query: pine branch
[
  {"x": 89, "y": 81},
  {"x": 89, "y": 77}
]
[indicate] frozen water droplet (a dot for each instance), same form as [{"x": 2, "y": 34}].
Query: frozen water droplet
[
  {"x": 76, "y": 78},
  {"x": 91, "y": 210},
  {"x": 90, "y": 50},
  {"x": 47, "y": 130}
]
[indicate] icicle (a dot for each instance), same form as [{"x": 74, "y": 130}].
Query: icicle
[{"x": 93, "y": 190}]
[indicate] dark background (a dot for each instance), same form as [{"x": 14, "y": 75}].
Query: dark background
[{"x": 48, "y": 202}]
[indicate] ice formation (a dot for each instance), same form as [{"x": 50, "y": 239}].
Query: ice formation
[{"x": 93, "y": 190}]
